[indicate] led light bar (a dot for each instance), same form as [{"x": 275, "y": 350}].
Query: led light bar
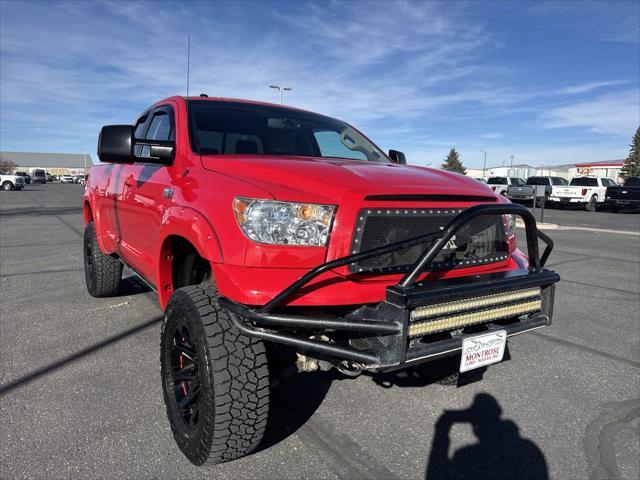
[
  {"x": 471, "y": 318},
  {"x": 472, "y": 303}
]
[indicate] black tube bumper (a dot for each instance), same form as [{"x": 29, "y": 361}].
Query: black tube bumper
[{"x": 380, "y": 336}]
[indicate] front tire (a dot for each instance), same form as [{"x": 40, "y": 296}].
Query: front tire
[
  {"x": 215, "y": 379},
  {"x": 7, "y": 186},
  {"x": 102, "y": 272}
]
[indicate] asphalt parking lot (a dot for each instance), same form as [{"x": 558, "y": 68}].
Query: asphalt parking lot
[{"x": 80, "y": 393}]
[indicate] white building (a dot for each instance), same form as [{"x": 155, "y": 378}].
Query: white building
[
  {"x": 52, "y": 163},
  {"x": 606, "y": 168},
  {"x": 522, "y": 171}
]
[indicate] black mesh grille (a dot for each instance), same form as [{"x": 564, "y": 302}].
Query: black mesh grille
[{"x": 480, "y": 241}]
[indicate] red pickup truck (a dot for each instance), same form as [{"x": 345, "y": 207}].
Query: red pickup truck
[{"x": 258, "y": 223}]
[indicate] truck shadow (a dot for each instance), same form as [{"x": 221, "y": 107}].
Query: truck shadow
[
  {"x": 500, "y": 452},
  {"x": 443, "y": 371},
  {"x": 74, "y": 357},
  {"x": 293, "y": 403},
  {"x": 295, "y": 397}
]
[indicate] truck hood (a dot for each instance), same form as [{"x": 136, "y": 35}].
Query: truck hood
[{"x": 328, "y": 180}]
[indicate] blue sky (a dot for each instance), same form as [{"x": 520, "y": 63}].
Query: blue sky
[{"x": 547, "y": 82}]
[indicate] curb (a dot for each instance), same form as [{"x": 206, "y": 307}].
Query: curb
[
  {"x": 553, "y": 226},
  {"x": 541, "y": 226}
]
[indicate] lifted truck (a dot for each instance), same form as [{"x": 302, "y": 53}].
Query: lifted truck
[{"x": 257, "y": 223}]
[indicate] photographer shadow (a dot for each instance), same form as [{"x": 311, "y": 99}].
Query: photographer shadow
[{"x": 500, "y": 452}]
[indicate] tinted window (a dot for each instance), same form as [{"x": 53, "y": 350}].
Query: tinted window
[
  {"x": 537, "y": 181},
  {"x": 497, "y": 181},
  {"x": 141, "y": 125},
  {"x": 558, "y": 181},
  {"x": 517, "y": 181},
  {"x": 243, "y": 128},
  {"x": 632, "y": 182},
  {"x": 161, "y": 127},
  {"x": 140, "y": 129},
  {"x": 584, "y": 182}
]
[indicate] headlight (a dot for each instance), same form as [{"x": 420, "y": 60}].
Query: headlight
[
  {"x": 509, "y": 224},
  {"x": 284, "y": 223}
]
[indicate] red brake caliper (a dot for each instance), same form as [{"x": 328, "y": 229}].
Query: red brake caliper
[{"x": 184, "y": 387}]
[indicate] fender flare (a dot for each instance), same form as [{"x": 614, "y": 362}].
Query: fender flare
[
  {"x": 193, "y": 226},
  {"x": 90, "y": 213}
]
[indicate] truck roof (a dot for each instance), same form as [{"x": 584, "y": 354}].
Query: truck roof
[{"x": 233, "y": 100}]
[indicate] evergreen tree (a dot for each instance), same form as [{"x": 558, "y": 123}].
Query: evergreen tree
[
  {"x": 631, "y": 167},
  {"x": 452, "y": 163}
]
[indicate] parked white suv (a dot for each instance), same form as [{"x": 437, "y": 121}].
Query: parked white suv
[
  {"x": 587, "y": 191},
  {"x": 11, "y": 182},
  {"x": 67, "y": 179},
  {"x": 500, "y": 184}
]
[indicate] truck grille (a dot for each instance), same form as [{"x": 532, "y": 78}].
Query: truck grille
[{"x": 479, "y": 242}]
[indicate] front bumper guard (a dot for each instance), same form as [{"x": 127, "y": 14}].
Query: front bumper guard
[{"x": 376, "y": 336}]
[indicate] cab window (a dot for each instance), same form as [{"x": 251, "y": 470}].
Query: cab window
[
  {"x": 161, "y": 127},
  {"x": 497, "y": 181},
  {"x": 140, "y": 130}
]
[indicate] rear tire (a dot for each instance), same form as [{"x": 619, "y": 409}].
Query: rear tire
[
  {"x": 102, "y": 272},
  {"x": 592, "y": 204},
  {"x": 215, "y": 379}
]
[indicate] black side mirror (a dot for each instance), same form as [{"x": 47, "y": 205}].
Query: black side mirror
[
  {"x": 115, "y": 144},
  {"x": 397, "y": 157}
]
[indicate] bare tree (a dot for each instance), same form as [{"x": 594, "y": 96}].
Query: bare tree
[{"x": 7, "y": 165}]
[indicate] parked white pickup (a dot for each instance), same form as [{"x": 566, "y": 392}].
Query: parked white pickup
[
  {"x": 582, "y": 190},
  {"x": 11, "y": 182},
  {"x": 500, "y": 184}
]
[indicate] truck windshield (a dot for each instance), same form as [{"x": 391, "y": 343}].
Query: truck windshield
[
  {"x": 584, "y": 182},
  {"x": 235, "y": 128},
  {"x": 632, "y": 182}
]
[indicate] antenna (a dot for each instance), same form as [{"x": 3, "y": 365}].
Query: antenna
[{"x": 188, "y": 60}]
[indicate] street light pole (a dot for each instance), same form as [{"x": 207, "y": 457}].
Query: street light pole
[
  {"x": 511, "y": 161},
  {"x": 84, "y": 157},
  {"x": 281, "y": 89},
  {"x": 484, "y": 165}
]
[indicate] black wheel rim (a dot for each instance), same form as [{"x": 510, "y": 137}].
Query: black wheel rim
[{"x": 185, "y": 376}]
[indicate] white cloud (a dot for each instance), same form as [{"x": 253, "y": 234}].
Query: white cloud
[
  {"x": 590, "y": 86},
  {"x": 611, "y": 114}
]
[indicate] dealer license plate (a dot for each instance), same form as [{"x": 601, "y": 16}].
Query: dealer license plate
[{"x": 483, "y": 350}]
